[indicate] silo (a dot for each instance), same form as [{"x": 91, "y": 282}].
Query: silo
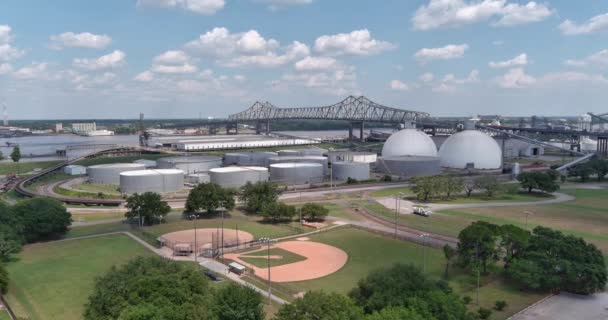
[
  {"x": 236, "y": 177},
  {"x": 341, "y": 171},
  {"x": 155, "y": 180},
  {"x": 409, "y": 166},
  {"x": 110, "y": 173},
  {"x": 146, "y": 162},
  {"x": 301, "y": 159},
  {"x": 198, "y": 178},
  {"x": 296, "y": 173},
  {"x": 248, "y": 158},
  {"x": 190, "y": 164}
]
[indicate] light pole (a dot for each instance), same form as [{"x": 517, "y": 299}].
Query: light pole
[
  {"x": 396, "y": 209},
  {"x": 424, "y": 236},
  {"x": 527, "y": 213},
  {"x": 193, "y": 216},
  {"x": 267, "y": 241}
]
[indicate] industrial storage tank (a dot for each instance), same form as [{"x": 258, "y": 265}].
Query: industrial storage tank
[
  {"x": 248, "y": 158},
  {"x": 409, "y": 142},
  {"x": 146, "y": 162},
  {"x": 197, "y": 178},
  {"x": 302, "y": 152},
  {"x": 236, "y": 177},
  {"x": 289, "y": 153},
  {"x": 470, "y": 149},
  {"x": 341, "y": 171},
  {"x": 299, "y": 159},
  {"x": 190, "y": 164},
  {"x": 110, "y": 173},
  {"x": 296, "y": 173},
  {"x": 406, "y": 166},
  {"x": 155, "y": 180},
  {"x": 352, "y": 156}
]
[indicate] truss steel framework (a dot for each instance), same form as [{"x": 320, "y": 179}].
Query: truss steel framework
[{"x": 359, "y": 109}]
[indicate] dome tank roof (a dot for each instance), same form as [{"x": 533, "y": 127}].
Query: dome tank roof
[
  {"x": 409, "y": 142},
  {"x": 470, "y": 146}
]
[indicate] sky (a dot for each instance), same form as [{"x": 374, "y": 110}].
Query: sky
[{"x": 68, "y": 59}]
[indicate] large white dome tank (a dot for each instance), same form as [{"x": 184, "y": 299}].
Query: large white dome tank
[
  {"x": 409, "y": 142},
  {"x": 470, "y": 147}
]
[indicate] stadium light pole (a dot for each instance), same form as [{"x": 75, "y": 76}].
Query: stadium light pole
[
  {"x": 267, "y": 240},
  {"x": 193, "y": 216}
]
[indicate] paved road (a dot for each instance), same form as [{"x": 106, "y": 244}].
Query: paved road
[
  {"x": 567, "y": 306},
  {"x": 558, "y": 198}
]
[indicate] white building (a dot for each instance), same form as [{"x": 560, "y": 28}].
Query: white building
[{"x": 84, "y": 127}]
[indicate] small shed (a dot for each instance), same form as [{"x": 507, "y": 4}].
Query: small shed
[
  {"x": 237, "y": 268},
  {"x": 74, "y": 170}
]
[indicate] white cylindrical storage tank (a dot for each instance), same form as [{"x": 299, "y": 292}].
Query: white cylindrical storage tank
[
  {"x": 198, "y": 178},
  {"x": 406, "y": 166},
  {"x": 190, "y": 164},
  {"x": 470, "y": 149},
  {"x": 248, "y": 158},
  {"x": 313, "y": 152},
  {"x": 301, "y": 159},
  {"x": 146, "y": 162},
  {"x": 236, "y": 177},
  {"x": 351, "y": 156},
  {"x": 110, "y": 173},
  {"x": 296, "y": 173},
  {"x": 341, "y": 171},
  {"x": 289, "y": 153},
  {"x": 155, "y": 180},
  {"x": 409, "y": 142}
]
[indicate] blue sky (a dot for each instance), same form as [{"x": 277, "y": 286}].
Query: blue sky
[{"x": 182, "y": 58}]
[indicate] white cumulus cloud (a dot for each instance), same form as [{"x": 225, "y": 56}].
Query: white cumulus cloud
[
  {"x": 426, "y": 77},
  {"x": 80, "y": 40},
  {"x": 5, "y": 68},
  {"x": 520, "y": 60},
  {"x": 278, "y": 4},
  {"x": 8, "y": 52},
  {"x": 316, "y": 63},
  {"x": 204, "y": 7},
  {"x": 599, "y": 58},
  {"x": 516, "y": 78},
  {"x": 145, "y": 76},
  {"x": 110, "y": 61},
  {"x": 398, "y": 85},
  {"x": 451, "y": 51},
  {"x": 34, "y": 71},
  {"x": 175, "y": 69},
  {"x": 358, "y": 42},
  {"x": 5, "y": 34},
  {"x": 595, "y": 24},
  {"x": 452, "y": 13}
]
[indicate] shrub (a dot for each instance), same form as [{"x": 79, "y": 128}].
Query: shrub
[
  {"x": 500, "y": 305},
  {"x": 484, "y": 313}
]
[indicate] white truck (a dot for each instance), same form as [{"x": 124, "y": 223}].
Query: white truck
[{"x": 422, "y": 211}]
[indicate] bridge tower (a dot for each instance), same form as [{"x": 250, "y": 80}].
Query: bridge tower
[
  {"x": 602, "y": 146},
  {"x": 352, "y": 126}
]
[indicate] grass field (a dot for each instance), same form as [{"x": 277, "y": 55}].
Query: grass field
[
  {"x": 124, "y": 159},
  {"x": 368, "y": 252},
  {"x": 53, "y": 280},
  {"x": 25, "y": 167},
  {"x": 96, "y": 216},
  {"x": 258, "y": 258},
  {"x": 4, "y": 315},
  {"x": 474, "y": 198},
  {"x": 96, "y": 188}
]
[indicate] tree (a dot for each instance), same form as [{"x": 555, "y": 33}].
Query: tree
[
  {"x": 449, "y": 253},
  {"x": 425, "y": 187},
  {"x": 583, "y": 171},
  {"x": 513, "y": 240},
  {"x": 451, "y": 185},
  {"x": 16, "y": 154},
  {"x": 469, "y": 187},
  {"x": 151, "y": 288},
  {"x": 318, "y": 305},
  {"x": 235, "y": 302},
  {"x": 489, "y": 184},
  {"x": 3, "y": 279},
  {"x": 278, "y": 211},
  {"x": 544, "y": 181},
  {"x": 257, "y": 195},
  {"x": 10, "y": 242},
  {"x": 477, "y": 244},
  {"x": 42, "y": 219},
  {"x": 406, "y": 286},
  {"x": 483, "y": 313},
  {"x": 314, "y": 211},
  {"x": 209, "y": 197},
  {"x": 556, "y": 262},
  {"x": 396, "y": 313},
  {"x": 1, "y": 156},
  {"x": 500, "y": 305},
  {"x": 148, "y": 208},
  {"x": 599, "y": 167}
]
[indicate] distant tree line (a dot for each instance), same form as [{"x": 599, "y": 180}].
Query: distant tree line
[{"x": 594, "y": 167}]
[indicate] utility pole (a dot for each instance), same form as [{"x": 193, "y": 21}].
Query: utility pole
[
  {"x": 222, "y": 233},
  {"x": 478, "y": 267},
  {"x": 424, "y": 236},
  {"x": 267, "y": 240},
  {"x": 527, "y": 213}
]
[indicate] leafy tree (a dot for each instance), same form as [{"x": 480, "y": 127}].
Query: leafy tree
[
  {"x": 396, "y": 313},
  {"x": 599, "y": 167},
  {"x": 42, "y": 219},
  {"x": 556, "y": 262},
  {"x": 209, "y": 197},
  {"x": 583, "y": 171},
  {"x": 483, "y": 313},
  {"x": 406, "y": 286},
  {"x": 16, "y": 154},
  {"x": 449, "y": 254},
  {"x": 451, "y": 185},
  {"x": 477, "y": 243},
  {"x": 514, "y": 241},
  {"x": 314, "y": 211},
  {"x": 489, "y": 184},
  {"x": 3, "y": 279},
  {"x": 500, "y": 305},
  {"x": 151, "y": 288},
  {"x": 1, "y": 156},
  {"x": 318, "y": 305},
  {"x": 235, "y": 302},
  {"x": 257, "y": 195},
  {"x": 543, "y": 181},
  {"x": 425, "y": 187},
  {"x": 10, "y": 242},
  {"x": 469, "y": 186},
  {"x": 148, "y": 206},
  {"x": 278, "y": 211}
]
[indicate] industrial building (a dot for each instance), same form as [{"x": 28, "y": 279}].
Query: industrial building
[
  {"x": 351, "y": 156},
  {"x": 342, "y": 171},
  {"x": 409, "y": 166},
  {"x": 318, "y": 152},
  {"x": 248, "y": 158},
  {"x": 409, "y": 142},
  {"x": 234, "y": 143},
  {"x": 472, "y": 150},
  {"x": 190, "y": 164},
  {"x": 299, "y": 159},
  {"x": 148, "y": 163},
  {"x": 156, "y": 180},
  {"x": 110, "y": 173},
  {"x": 236, "y": 177},
  {"x": 296, "y": 173},
  {"x": 74, "y": 170}
]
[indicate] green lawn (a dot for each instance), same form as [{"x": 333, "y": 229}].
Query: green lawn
[
  {"x": 53, "y": 280},
  {"x": 124, "y": 159},
  {"x": 258, "y": 258},
  {"x": 82, "y": 231},
  {"x": 392, "y": 192},
  {"x": 4, "y": 315},
  {"x": 96, "y": 188},
  {"x": 96, "y": 216},
  {"x": 25, "y": 167}
]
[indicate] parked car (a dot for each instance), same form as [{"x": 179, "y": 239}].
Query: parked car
[{"x": 422, "y": 211}]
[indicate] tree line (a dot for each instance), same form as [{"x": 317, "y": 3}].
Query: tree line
[{"x": 594, "y": 167}]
